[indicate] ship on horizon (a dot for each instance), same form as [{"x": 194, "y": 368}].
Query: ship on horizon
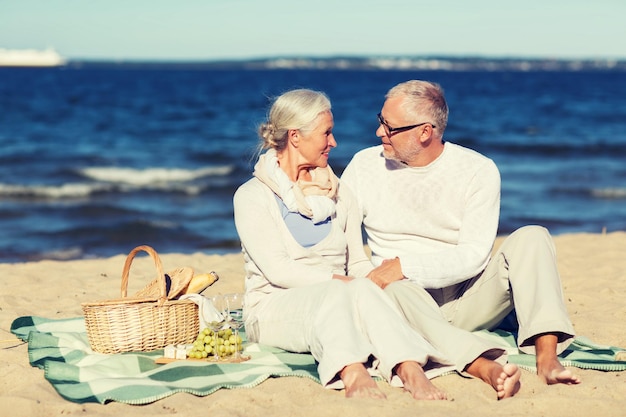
[{"x": 30, "y": 58}]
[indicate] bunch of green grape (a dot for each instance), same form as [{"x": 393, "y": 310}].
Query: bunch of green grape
[{"x": 205, "y": 344}]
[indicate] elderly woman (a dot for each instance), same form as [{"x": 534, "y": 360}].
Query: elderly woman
[{"x": 305, "y": 263}]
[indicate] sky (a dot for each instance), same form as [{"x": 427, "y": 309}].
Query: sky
[{"x": 200, "y": 30}]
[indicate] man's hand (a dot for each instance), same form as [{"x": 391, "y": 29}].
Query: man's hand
[{"x": 389, "y": 271}]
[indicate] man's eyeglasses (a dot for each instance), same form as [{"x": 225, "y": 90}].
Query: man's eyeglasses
[{"x": 391, "y": 130}]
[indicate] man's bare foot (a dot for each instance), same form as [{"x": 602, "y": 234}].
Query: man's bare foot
[
  {"x": 417, "y": 383},
  {"x": 549, "y": 369},
  {"x": 359, "y": 383},
  {"x": 552, "y": 372},
  {"x": 505, "y": 380}
]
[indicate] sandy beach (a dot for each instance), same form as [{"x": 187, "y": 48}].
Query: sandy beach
[{"x": 593, "y": 272}]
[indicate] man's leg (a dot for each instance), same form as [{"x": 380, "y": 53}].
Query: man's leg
[
  {"x": 469, "y": 352},
  {"x": 424, "y": 315},
  {"x": 523, "y": 270}
]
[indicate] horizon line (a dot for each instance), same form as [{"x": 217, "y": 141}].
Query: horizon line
[{"x": 474, "y": 56}]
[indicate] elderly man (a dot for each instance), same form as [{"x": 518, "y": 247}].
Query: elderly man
[{"x": 430, "y": 210}]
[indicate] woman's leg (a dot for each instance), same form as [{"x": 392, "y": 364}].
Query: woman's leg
[
  {"x": 317, "y": 319},
  {"x": 399, "y": 348}
]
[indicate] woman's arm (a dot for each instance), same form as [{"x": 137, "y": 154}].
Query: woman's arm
[
  {"x": 266, "y": 240},
  {"x": 358, "y": 264}
]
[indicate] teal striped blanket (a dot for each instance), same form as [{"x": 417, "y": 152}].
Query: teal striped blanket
[{"x": 61, "y": 349}]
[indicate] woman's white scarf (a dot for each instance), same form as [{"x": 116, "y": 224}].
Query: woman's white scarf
[{"x": 313, "y": 199}]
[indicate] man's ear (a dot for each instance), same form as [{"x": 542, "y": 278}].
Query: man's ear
[{"x": 426, "y": 133}]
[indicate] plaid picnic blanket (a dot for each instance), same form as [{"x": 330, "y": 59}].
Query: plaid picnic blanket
[
  {"x": 582, "y": 353},
  {"x": 60, "y": 347}
]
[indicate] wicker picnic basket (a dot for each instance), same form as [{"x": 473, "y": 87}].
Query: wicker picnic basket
[{"x": 148, "y": 322}]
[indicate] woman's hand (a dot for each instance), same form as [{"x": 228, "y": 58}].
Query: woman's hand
[
  {"x": 342, "y": 278},
  {"x": 386, "y": 273}
]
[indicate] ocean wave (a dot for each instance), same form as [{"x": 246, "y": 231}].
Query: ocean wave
[
  {"x": 609, "y": 193},
  {"x": 151, "y": 176},
  {"x": 85, "y": 190},
  {"x": 543, "y": 148},
  {"x": 76, "y": 190},
  {"x": 67, "y": 254},
  {"x": 589, "y": 192},
  {"x": 120, "y": 180}
]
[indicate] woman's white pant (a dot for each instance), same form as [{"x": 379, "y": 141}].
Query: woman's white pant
[{"x": 340, "y": 323}]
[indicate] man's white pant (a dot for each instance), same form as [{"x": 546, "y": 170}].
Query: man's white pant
[{"x": 522, "y": 274}]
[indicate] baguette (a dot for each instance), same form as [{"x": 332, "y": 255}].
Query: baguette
[{"x": 201, "y": 282}]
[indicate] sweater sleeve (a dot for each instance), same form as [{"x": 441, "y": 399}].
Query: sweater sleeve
[
  {"x": 265, "y": 243},
  {"x": 359, "y": 264}
]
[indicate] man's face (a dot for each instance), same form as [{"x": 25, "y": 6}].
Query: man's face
[{"x": 402, "y": 146}]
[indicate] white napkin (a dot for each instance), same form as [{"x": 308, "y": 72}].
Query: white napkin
[{"x": 206, "y": 311}]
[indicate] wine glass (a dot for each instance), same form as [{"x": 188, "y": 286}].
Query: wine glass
[
  {"x": 234, "y": 318},
  {"x": 219, "y": 302}
]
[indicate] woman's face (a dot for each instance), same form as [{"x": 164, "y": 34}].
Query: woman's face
[{"x": 315, "y": 145}]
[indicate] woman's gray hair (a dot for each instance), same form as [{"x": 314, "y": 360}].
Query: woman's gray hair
[
  {"x": 423, "y": 99},
  {"x": 295, "y": 109}
]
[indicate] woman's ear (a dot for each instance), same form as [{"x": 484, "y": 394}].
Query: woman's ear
[{"x": 293, "y": 135}]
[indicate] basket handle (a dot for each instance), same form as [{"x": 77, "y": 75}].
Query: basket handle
[{"x": 157, "y": 263}]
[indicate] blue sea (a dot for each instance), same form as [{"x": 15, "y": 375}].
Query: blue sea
[{"x": 97, "y": 159}]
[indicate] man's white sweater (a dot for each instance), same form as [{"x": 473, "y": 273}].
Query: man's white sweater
[{"x": 440, "y": 220}]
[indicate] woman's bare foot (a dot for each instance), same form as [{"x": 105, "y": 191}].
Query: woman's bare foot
[
  {"x": 552, "y": 372},
  {"x": 505, "y": 380},
  {"x": 417, "y": 383},
  {"x": 508, "y": 383},
  {"x": 359, "y": 383}
]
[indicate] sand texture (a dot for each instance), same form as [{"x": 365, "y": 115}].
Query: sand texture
[{"x": 593, "y": 273}]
